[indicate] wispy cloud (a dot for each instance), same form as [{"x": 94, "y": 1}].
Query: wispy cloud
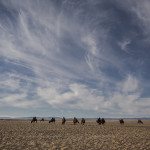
[
  {"x": 124, "y": 44},
  {"x": 67, "y": 55}
]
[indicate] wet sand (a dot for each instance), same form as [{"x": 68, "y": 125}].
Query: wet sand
[{"x": 19, "y": 135}]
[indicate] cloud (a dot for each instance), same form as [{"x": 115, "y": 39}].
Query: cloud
[
  {"x": 130, "y": 85},
  {"x": 124, "y": 44},
  {"x": 15, "y": 100},
  {"x": 76, "y": 96},
  {"x": 67, "y": 55},
  {"x": 141, "y": 9},
  {"x": 125, "y": 100},
  {"x": 10, "y": 84}
]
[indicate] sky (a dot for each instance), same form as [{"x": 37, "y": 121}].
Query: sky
[{"x": 78, "y": 58}]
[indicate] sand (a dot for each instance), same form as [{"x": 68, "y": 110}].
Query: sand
[{"x": 19, "y": 135}]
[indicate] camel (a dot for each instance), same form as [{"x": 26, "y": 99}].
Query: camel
[
  {"x": 52, "y": 120},
  {"x": 63, "y": 120},
  {"x": 75, "y": 120},
  {"x": 140, "y": 122},
  {"x": 42, "y": 119},
  {"x": 100, "y": 121},
  {"x": 34, "y": 119},
  {"x": 121, "y": 121},
  {"x": 83, "y": 121}
]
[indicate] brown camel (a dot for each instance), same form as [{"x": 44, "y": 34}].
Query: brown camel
[
  {"x": 63, "y": 120},
  {"x": 100, "y": 121},
  {"x": 83, "y": 121},
  {"x": 140, "y": 122},
  {"x": 52, "y": 120},
  {"x": 75, "y": 120},
  {"x": 34, "y": 119},
  {"x": 42, "y": 119}
]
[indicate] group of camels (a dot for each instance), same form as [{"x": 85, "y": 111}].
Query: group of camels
[
  {"x": 122, "y": 121},
  {"x": 75, "y": 120}
]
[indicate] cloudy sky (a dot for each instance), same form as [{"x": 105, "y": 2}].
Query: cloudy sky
[{"x": 83, "y": 58}]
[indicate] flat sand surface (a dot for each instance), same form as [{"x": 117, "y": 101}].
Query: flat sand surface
[{"x": 20, "y": 135}]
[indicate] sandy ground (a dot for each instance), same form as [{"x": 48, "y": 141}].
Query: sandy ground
[{"x": 19, "y": 135}]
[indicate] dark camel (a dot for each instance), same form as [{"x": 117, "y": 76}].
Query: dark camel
[
  {"x": 75, "y": 120},
  {"x": 34, "y": 119}
]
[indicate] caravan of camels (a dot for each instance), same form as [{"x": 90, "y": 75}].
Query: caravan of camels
[{"x": 75, "y": 120}]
